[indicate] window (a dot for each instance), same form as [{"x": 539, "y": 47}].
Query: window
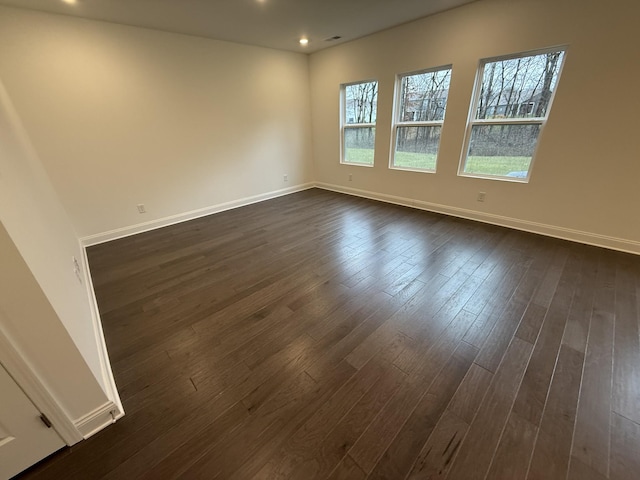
[
  {"x": 421, "y": 102},
  {"x": 359, "y": 108},
  {"x": 511, "y": 104}
]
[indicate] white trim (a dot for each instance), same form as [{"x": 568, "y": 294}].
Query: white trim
[
  {"x": 186, "y": 216},
  {"x": 475, "y": 99},
  {"x": 416, "y": 170},
  {"x": 359, "y": 125},
  {"x": 354, "y": 164},
  {"x": 16, "y": 363},
  {"x": 421, "y": 123},
  {"x": 596, "y": 239},
  {"x": 111, "y": 411},
  {"x": 499, "y": 178},
  {"x": 527, "y": 53},
  {"x": 94, "y": 421},
  {"x": 103, "y": 355},
  {"x": 344, "y": 125},
  {"x": 510, "y": 121},
  {"x": 396, "y": 123}
]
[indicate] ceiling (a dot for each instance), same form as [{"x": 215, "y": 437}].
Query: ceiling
[{"x": 267, "y": 23}]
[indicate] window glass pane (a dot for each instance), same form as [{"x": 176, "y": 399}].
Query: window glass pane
[
  {"x": 423, "y": 96},
  {"x": 519, "y": 87},
  {"x": 358, "y": 145},
  {"x": 503, "y": 150},
  {"x": 361, "y": 102},
  {"x": 417, "y": 147}
]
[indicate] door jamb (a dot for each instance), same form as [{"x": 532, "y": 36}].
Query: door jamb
[{"x": 28, "y": 380}]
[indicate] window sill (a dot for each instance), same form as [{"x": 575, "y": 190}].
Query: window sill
[
  {"x": 494, "y": 177},
  {"x": 354, "y": 164},
  {"x": 415, "y": 170}
]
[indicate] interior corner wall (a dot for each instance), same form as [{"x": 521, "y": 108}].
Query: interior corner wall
[
  {"x": 38, "y": 225},
  {"x": 585, "y": 174},
  {"x": 32, "y": 325},
  {"x": 122, "y": 116}
]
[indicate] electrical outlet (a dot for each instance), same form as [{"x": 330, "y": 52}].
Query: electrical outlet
[
  {"x": 350, "y": 177},
  {"x": 482, "y": 196},
  {"x": 141, "y": 208},
  {"x": 286, "y": 177}
]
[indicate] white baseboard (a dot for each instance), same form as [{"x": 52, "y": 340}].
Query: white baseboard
[
  {"x": 113, "y": 410},
  {"x": 191, "y": 215},
  {"x": 108, "y": 381},
  {"x": 15, "y": 362},
  {"x": 96, "y": 420},
  {"x": 612, "y": 243}
]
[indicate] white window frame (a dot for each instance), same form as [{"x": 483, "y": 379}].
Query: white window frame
[
  {"x": 397, "y": 100},
  {"x": 472, "y": 121},
  {"x": 344, "y": 125}
]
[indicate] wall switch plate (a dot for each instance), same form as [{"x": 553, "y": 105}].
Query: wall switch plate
[
  {"x": 76, "y": 269},
  {"x": 482, "y": 196}
]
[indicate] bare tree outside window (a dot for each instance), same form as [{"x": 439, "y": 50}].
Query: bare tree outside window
[
  {"x": 360, "y": 105},
  {"x": 420, "y": 108},
  {"x": 510, "y": 110}
]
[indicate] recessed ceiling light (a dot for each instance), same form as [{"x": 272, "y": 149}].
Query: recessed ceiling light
[
  {"x": 70, "y": 2},
  {"x": 304, "y": 41}
]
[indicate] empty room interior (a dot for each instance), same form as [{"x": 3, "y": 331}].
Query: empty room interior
[{"x": 357, "y": 239}]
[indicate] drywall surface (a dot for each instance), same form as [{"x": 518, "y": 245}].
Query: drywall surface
[
  {"x": 38, "y": 224},
  {"x": 122, "y": 116},
  {"x": 586, "y": 171},
  {"x": 34, "y": 328}
]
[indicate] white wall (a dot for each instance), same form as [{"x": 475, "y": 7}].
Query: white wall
[
  {"x": 27, "y": 318},
  {"x": 38, "y": 224},
  {"x": 96, "y": 118},
  {"x": 586, "y": 172},
  {"x": 121, "y": 116}
]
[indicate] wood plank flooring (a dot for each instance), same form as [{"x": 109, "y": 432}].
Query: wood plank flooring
[{"x": 319, "y": 335}]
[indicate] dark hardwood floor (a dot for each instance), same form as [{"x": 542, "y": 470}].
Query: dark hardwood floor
[{"x": 319, "y": 335}]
